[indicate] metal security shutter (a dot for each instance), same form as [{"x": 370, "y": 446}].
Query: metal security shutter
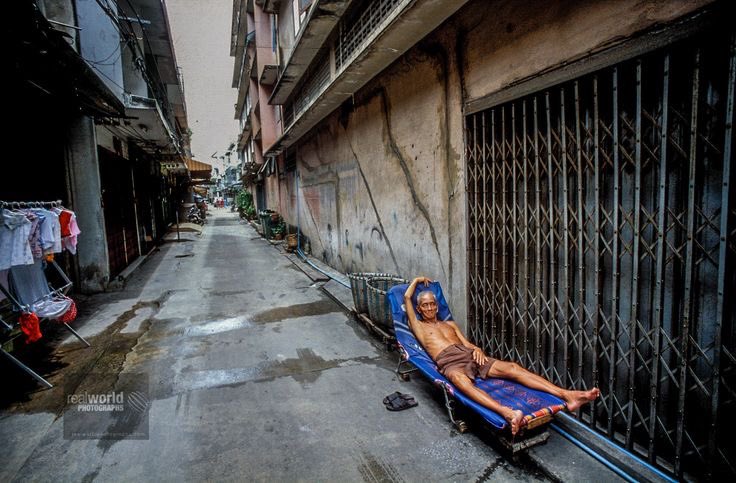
[{"x": 602, "y": 247}]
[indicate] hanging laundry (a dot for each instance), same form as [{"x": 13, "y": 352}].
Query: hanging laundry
[
  {"x": 45, "y": 229},
  {"x": 56, "y": 228},
  {"x": 30, "y": 326},
  {"x": 14, "y": 232},
  {"x": 50, "y": 231},
  {"x": 69, "y": 240},
  {"x": 34, "y": 237}
]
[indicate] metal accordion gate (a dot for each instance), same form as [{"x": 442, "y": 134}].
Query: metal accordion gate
[{"x": 602, "y": 247}]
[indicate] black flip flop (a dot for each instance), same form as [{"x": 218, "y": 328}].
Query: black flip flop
[{"x": 398, "y": 401}]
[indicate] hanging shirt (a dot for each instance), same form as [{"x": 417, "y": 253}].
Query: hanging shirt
[
  {"x": 69, "y": 242},
  {"x": 34, "y": 237},
  {"x": 45, "y": 230},
  {"x": 56, "y": 228},
  {"x": 14, "y": 232},
  {"x": 49, "y": 230}
]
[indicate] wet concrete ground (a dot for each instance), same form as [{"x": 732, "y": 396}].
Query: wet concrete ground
[{"x": 254, "y": 374}]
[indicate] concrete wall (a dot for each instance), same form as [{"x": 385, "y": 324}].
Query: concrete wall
[
  {"x": 286, "y": 29},
  {"x": 99, "y": 42},
  {"x": 534, "y": 36},
  {"x": 85, "y": 199},
  {"x": 61, "y": 11},
  {"x": 381, "y": 184}
]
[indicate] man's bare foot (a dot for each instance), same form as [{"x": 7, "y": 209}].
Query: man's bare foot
[
  {"x": 515, "y": 418},
  {"x": 575, "y": 399}
]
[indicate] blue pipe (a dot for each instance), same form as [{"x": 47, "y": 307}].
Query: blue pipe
[
  {"x": 595, "y": 455},
  {"x": 304, "y": 257},
  {"x": 298, "y": 231},
  {"x": 658, "y": 472}
]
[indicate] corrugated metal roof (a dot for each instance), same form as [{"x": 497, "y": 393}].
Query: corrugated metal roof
[{"x": 195, "y": 165}]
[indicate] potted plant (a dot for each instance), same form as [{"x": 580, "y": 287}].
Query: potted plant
[
  {"x": 244, "y": 202},
  {"x": 278, "y": 230}
]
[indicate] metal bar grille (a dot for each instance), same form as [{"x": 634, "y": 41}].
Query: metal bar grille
[
  {"x": 354, "y": 31},
  {"x": 602, "y": 247}
]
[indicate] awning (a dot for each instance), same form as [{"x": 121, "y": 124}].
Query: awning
[{"x": 198, "y": 169}]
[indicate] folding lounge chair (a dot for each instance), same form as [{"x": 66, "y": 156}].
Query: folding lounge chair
[
  {"x": 538, "y": 407},
  {"x": 29, "y": 291}
]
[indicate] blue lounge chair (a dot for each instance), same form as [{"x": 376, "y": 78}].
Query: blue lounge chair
[{"x": 538, "y": 407}]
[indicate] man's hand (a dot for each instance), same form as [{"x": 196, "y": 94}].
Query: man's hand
[
  {"x": 479, "y": 357},
  {"x": 425, "y": 280}
]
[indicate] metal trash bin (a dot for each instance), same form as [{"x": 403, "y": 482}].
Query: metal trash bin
[
  {"x": 359, "y": 288},
  {"x": 265, "y": 217},
  {"x": 378, "y": 307}
]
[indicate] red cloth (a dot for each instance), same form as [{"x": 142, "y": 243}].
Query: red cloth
[
  {"x": 30, "y": 326},
  {"x": 65, "y": 218},
  {"x": 69, "y": 315}
]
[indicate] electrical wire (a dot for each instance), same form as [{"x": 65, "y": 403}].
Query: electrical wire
[
  {"x": 117, "y": 50},
  {"x": 156, "y": 85},
  {"x": 107, "y": 77}
]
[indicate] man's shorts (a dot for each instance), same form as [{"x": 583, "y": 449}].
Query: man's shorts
[{"x": 457, "y": 357}]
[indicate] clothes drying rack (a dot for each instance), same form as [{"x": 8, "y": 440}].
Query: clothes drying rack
[{"x": 19, "y": 305}]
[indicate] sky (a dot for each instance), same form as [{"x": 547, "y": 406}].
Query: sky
[{"x": 200, "y": 30}]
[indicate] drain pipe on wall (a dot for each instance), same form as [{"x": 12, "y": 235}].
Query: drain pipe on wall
[{"x": 298, "y": 237}]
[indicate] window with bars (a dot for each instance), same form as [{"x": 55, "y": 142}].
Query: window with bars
[
  {"x": 313, "y": 87},
  {"x": 359, "y": 27},
  {"x": 602, "y": 247},
  {"x": 353, "y": 32}
]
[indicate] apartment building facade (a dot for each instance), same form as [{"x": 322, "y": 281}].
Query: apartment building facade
[
  {"x": 564, "y": 170},
  {"x": 100, "y": 119}
]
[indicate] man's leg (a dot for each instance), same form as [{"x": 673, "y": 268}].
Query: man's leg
[
  {"x": 465, "y": 384},
  {"x": 514, "y": 372}
]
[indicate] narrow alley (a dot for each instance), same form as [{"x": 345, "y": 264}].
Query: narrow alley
[{"x": 254, "y": 374}]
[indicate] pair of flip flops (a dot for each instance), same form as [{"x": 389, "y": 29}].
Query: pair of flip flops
[{"x": 398, "y": 401}]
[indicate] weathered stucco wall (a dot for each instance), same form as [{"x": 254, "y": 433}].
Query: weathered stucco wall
[
  {"x": 381, "y": 183},
  {"x": 514, "y": 40}
]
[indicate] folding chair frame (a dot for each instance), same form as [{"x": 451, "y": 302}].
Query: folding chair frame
[{"x": 19, "y": 306}]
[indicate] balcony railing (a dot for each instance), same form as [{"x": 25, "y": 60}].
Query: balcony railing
[{"x": 354, "y": 32}]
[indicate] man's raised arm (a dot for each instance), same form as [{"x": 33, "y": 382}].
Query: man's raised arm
[{"x": 410, "y": 313}]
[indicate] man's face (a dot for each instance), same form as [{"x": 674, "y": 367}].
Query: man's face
[{"x": 427, "y": 305}]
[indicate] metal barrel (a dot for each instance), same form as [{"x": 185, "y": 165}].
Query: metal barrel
[
  {"x": 359, "y": 288},
  {"x": 378, "y": 307}
]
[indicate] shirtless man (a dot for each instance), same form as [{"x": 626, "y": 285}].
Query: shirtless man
[{"x": 461, "y": 362}]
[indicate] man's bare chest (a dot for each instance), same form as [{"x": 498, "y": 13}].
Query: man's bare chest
[{"x": 438, "y": 331}]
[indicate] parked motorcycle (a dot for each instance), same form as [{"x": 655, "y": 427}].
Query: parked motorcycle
[{"x": 194, "y": 217}]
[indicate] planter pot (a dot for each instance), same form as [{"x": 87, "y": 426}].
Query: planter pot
[
  {"x": 278, "y": 236},
  {"x": 291, "y": 241}
]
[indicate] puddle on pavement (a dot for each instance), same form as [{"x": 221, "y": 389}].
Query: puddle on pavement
[
  {"x": 277, "y": 314},
  {"x": 209, "y": 328},
  {"x": 305, "y": 369},
  {"x": 226, "y": 293},
  {"x": 67, "y": 366}
]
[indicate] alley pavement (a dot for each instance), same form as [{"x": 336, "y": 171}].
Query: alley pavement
[{"x": 253, "y": 373}]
